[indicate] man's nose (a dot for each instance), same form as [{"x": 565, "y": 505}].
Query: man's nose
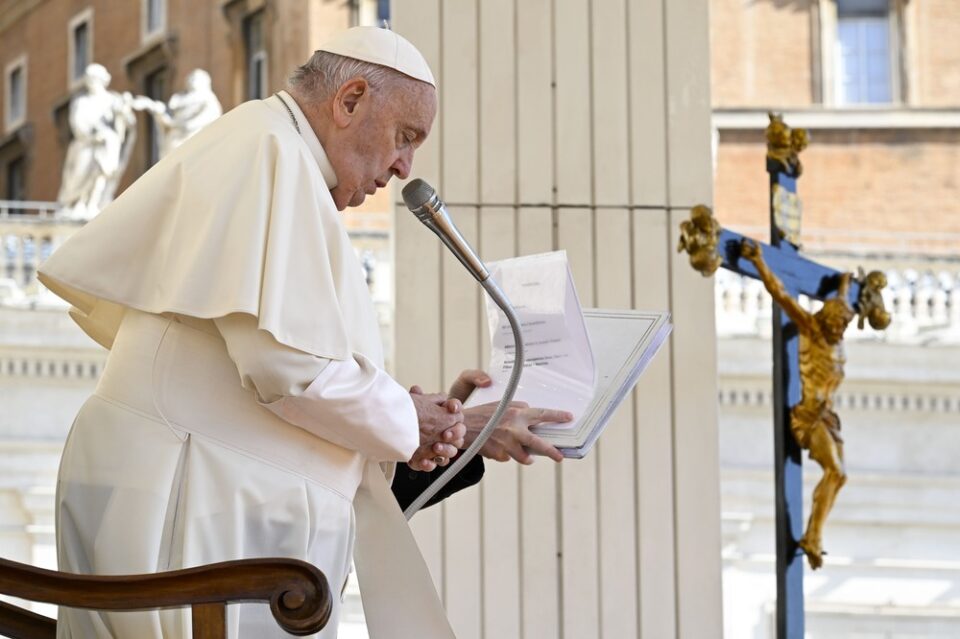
[{"x": 404, "y": 164}]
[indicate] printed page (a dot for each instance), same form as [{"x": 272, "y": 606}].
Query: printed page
[{"x": 559, "y": 370}]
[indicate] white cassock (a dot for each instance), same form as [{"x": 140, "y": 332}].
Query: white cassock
[{"x": 244, "y": 408}]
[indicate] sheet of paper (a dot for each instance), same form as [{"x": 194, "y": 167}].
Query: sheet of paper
[{"x": 559, "y": 370}]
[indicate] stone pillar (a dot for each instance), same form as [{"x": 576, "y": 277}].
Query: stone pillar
[{"x": 581, "y": 125}]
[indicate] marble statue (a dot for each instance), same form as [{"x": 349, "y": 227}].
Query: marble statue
[
  {"x": 102, "y": 123},
  {"x": 188, "y": 112}
]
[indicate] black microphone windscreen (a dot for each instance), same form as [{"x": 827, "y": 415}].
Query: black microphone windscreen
[{"x": 417, "y": 193}]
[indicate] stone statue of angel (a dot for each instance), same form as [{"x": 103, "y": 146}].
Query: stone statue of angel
[
  {"x": 103, "y": 126},
  {"x": 187, "y": 112}
]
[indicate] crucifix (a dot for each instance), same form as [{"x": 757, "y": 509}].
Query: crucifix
[{"x": 808, "y": 356}]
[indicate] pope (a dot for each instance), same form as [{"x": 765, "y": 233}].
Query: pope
[{"x": 244, "y": 410}]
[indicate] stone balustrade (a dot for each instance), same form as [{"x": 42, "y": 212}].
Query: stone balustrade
[
  {"x": 923, "y": 298},
  {"x": 923, "y": 295},
  {"x": 72, "y": 366},
  {"x": 29, "y": 232}
]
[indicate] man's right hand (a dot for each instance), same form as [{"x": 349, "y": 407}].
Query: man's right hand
[{"x": 442, "y": 429}]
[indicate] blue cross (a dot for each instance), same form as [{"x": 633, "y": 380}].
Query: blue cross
[{"x": 799, "y": 276}]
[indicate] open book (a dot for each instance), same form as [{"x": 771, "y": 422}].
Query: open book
[{"x": 584, "y": 362}]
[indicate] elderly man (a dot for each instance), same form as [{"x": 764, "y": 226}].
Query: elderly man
[{"x": 244, "y": 410}]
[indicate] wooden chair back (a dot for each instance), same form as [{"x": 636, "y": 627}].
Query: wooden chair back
[{"x": 297, "y": 592}]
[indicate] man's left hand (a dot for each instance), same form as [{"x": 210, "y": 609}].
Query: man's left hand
[{"x": 467, "y": 381}]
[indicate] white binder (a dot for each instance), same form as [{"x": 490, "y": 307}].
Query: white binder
[{"x": 623, "y": 343}]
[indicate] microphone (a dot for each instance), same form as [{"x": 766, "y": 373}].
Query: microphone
[{"x": 423, "y": 201}]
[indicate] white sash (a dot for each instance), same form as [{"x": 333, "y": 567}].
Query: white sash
[{"x": 399, "y": 598}]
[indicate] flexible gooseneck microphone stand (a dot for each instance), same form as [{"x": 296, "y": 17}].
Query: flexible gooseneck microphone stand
[{"x": 423, "y": 201}]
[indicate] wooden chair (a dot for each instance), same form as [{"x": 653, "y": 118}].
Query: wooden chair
[{"x": 298, "y": 594}]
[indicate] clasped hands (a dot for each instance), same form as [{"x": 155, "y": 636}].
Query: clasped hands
[{"x": 446, "y": 427}]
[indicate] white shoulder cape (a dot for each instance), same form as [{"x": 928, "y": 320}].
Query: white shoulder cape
[{"x": 237, "y": 219}]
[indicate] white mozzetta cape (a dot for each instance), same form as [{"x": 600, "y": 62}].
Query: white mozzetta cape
[{"x": 237, "y": 219}]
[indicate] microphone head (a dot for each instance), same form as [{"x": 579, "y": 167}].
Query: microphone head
[
  {"x": 417, "y": 193},
  {"x": 426, "y": 205}
]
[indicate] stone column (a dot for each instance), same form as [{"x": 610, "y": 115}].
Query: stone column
[{"x": 581, "y": 125}]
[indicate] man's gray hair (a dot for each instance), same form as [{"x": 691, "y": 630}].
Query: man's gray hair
[{"x": 325, "y": 72}]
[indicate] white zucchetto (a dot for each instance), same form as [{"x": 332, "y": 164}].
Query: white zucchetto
[{"x": 383, "y": 47}]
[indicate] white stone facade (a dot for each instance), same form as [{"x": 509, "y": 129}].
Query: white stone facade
[
  {"x": 893, "y": 568},
  {"x": 48, "y": 368}
]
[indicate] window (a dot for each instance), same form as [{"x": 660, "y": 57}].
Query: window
[
  {"x": 16, "y": 181},
  {"x": 864, "y": 53},
  {"x": 16, "y": 187},
  {"x": 15, "y": 98},
  {"x": 80, "y": 51},
  {"x": 256, "y": 56},
  {"x": 154, "y": 87},
  {"x": 154, "y": 17}
]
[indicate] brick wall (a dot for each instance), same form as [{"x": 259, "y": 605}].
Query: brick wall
[
  {"x": 879, "y": 180},
  {"x": 895, "y": 181},
  {"x": 761, "y": 53},
  {"x": 937, "y": 43},
  {"x": 200, "y": 39},
  {"x": 199, "y": 35},
  {"x": 46, "y": 85}
]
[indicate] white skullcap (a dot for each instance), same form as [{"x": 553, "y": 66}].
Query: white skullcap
[{"x": 383, "y": 47}]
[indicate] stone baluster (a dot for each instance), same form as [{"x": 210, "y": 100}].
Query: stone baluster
[
  {"x": 31, "y": 261},
  {"x": 766, "y": 303},
  {"x": 922, "y": 300},
  {"x": 954, "y": 304},
  {"x": 719, "y": 295},
  {"x": 939, "y": 313},
  {"x": 734, "y": 304},
  {"x": 906, "y": 316},
  {"x": 752, "y": 293},
  {"x": 759, "y": 309},
  {"x": 18, "y": 248},
  {"x": 723, "y": 290},
  {"x": 6, "y": 265}
]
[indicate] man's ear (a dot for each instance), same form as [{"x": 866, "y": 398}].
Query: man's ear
[{"x": 347, "y": 100}]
